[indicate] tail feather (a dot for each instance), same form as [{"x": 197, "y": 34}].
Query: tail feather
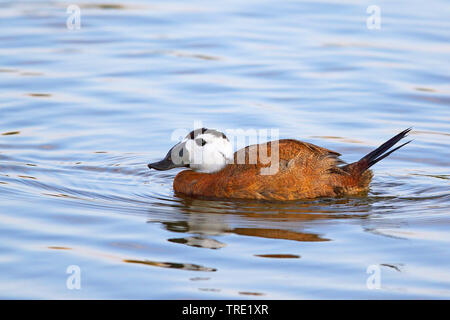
[
  {"x": 372, "y": 162},
  {"x": 379, "y": 153}
]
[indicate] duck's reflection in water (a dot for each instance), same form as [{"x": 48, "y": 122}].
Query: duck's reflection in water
[
  {"x": 205, "y": 219},
  {"x": 172, "y": 265},
  {"x": 199, "y": 242}
]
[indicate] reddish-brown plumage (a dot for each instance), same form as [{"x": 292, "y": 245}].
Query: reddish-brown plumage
[
  {"x": 278, "y": 170},
  {"x": 305, "y": 171}
]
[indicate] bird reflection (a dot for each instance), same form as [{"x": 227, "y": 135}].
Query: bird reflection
[
  {"x": 204, "y": 219},
  {"x": 199, "y": 242}
]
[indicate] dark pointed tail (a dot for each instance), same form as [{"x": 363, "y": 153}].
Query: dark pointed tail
[{"x": 378, "y": 154}]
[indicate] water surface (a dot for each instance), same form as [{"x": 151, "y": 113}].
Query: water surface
[{"x": 83, "y": 112}]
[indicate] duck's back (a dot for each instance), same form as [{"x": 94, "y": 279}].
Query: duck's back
[{"x": 301, "y": 170}]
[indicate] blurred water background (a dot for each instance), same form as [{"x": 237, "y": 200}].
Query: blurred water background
[{"x": 83, "y": 111}]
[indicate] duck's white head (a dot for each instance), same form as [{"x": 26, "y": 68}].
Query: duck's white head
[{"x": 203, "y": 150}]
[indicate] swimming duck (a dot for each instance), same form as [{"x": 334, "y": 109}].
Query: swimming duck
[{"x": 300, "y": 170}]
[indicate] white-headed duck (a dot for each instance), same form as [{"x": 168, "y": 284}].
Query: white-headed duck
[{"x": 303, "y": 170}]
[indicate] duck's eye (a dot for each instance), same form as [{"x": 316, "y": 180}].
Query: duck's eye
[{"x": 200, "y": 142}]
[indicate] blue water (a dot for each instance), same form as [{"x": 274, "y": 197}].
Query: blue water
[{"x": 83, "y": 111}]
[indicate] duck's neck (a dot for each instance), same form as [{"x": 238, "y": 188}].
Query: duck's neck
[{"x": 191, "y": 182}]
